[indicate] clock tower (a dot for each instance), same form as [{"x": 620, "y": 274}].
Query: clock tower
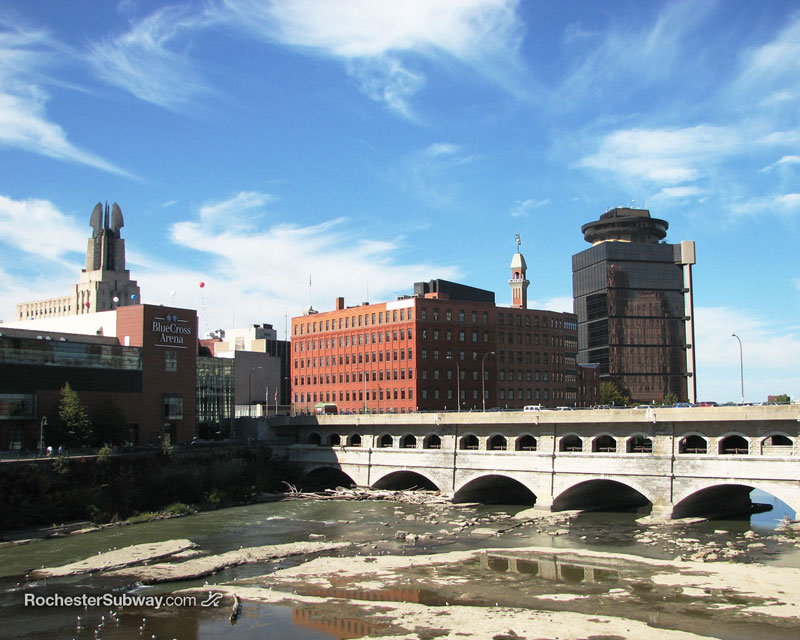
[{"x": 518, "y": 282}]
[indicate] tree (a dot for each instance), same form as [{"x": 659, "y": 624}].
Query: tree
[
  {"x": 610, "y": 394},
  {"x": 782, "y": 398},
  {"x": 670, "y": 399},
  {"x": 76, "y": 428}
]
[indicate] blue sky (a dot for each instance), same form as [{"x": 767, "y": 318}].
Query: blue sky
[{"x": 369, "y": 145}]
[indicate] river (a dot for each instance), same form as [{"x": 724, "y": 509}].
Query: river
[{"x": 374, "y": 526}]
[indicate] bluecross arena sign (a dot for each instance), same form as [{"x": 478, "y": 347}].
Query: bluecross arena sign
[{"x": 171, "y": 330}]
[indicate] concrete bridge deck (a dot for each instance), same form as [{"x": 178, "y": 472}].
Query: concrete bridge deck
[{"x": 680, "y": 461}]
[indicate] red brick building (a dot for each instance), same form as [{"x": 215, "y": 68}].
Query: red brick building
[
  {"x": 422, "y": 352},
  {"x": 143, "y": 357}
]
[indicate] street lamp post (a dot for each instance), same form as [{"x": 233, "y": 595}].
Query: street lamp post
[
  {"x": 250, "y": 392},
  {"x": 741, "y": 365},
  {"x": 41, "y": 434},
  {"x": 483, "y": 378},
  {"x": 458, "y": 383}
]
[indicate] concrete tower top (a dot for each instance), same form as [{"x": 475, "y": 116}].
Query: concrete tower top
[{"x": 625, "y": 225}]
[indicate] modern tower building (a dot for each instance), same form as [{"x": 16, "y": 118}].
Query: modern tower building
[
  {"x": 633, "y": 300},
  {"x": 105, "y": 283}
]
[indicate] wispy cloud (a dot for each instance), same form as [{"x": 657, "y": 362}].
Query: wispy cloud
[
  {"x": 628, "y": 56},
  {"x": 523, "y": 208},
  {"x": 146, "y": 60},
  {"x": 56, "y": 234},
  {"x": 267, "y": 268},
  {"x": 773, "y": 69},
  {"x": 433, "y": 174},
  {"x": 783, "y": 162},
  {"x": 238, "y": 213},
  {"x": 664, "y": 156},
  {"x": 24, "y": 123},
  {"x": 788, "y": 203},
  {"x": 381, "y": 43}
]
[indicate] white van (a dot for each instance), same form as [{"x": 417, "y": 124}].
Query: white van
[{"x": 534, "y": 407}]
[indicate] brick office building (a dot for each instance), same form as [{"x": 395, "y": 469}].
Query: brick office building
[
  {"x": 446, "y": 341},
  {"x": 143, "y": 357}
]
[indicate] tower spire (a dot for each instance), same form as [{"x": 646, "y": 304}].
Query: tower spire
[{"x": 518, "y": 282}]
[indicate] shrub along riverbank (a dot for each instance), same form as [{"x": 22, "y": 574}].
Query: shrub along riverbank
[{"x": 107, "y": 488}]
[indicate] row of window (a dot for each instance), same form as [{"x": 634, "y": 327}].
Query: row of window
[
  {"x": 343, "y": 378},
  {"x": 348, "y": 322},
  {"x": 395, "y": 315},
  {"x": 354, "y": 396},
  {"x": 363, "y": 358},
  {"x": 350, "y": 340},
  {"x": 694, "y": 444}
]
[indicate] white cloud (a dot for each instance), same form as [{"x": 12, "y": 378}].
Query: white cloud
[
  {"x": 774, "y": 64},
  {"x": 676, "y": 193},
  {"x": 628, "y": 56},
  {"x": 664, "y": 156},
  {"x": 769, "y": 355},
  {"x": 267, "y": 270},
  {"x": 141, "y": 61},
  {"x": 788, "y": 203},
  {"x": 784, "y": 161},
  {"x": 432, "y": 173},
  {"x": 23, "y": 119},
  {"x": 55, "y": 233},
  {"x": 522, "y": 208},
  {"x": 377, "y": 40},
  {"x": 238, "y": 213}
]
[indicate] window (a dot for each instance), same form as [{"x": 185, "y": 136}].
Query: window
[
  {"x": 173, "y": 407},
  {"x": 170, "y": 361}
]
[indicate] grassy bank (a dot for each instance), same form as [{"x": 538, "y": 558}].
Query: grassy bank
[{"x": 116, "y": 487}]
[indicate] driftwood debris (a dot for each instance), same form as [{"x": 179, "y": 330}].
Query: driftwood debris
[{"x": 412, "y": 496}]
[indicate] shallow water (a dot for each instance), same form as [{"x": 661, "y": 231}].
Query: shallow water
[{"x": 372, "y": 522}]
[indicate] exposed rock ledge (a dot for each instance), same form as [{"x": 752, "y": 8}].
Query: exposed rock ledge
[
  {"x": 208, "y": 565},
  {"x": 117, "y": 559}
]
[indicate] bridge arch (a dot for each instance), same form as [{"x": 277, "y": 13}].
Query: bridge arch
[
  {"x": 693, "y": 443},
  {"x": 334, "y": 440},
  {"x": 408, "y": 441},
  {"x": 432, "y": 441},
  {"x": 778, "y": 443},
  {"x": 497, "y": 442},
  {"x": 639, "y": 443},
  {"x": 399, "y": 480},
  {"x": 525, "y": 442},
  {"x": 314, "y": 439},
  {"x": 604, "y": 443},
  {"x": 570, "y": 442},
  {"x": 326, "y": 477},
  {"x": 733, "y": 444},
  {"x": 725, "y": 498},
  {"x": 354, "y": 440},
  {"x": 469, "y": 441},
  {"x": 385, "y": 441},
  {"x": 602, "y": 495},
  {"x": 494, "y": 489}
]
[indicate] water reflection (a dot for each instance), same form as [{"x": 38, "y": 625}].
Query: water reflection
[{"x": 550, "y": 568}]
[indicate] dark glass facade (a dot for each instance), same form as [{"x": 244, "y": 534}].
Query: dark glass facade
[{"x": 629, "y": 300}]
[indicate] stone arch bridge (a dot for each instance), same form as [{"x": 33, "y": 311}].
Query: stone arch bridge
[{"x": 679, "y": 461}]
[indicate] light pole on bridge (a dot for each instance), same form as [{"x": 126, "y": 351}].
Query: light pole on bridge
[{"x": 741, "y": 365}]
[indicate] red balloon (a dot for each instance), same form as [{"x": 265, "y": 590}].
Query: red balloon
[{"x": 202, "y": 284}]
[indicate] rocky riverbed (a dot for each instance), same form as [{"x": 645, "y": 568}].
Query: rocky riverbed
[{"x": 401, "y": 577}]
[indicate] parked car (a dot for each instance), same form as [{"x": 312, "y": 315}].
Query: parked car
[{"x": 534, "y": 407}]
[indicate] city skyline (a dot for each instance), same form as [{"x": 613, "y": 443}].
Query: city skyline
[{"x": 366, "y": 146}]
